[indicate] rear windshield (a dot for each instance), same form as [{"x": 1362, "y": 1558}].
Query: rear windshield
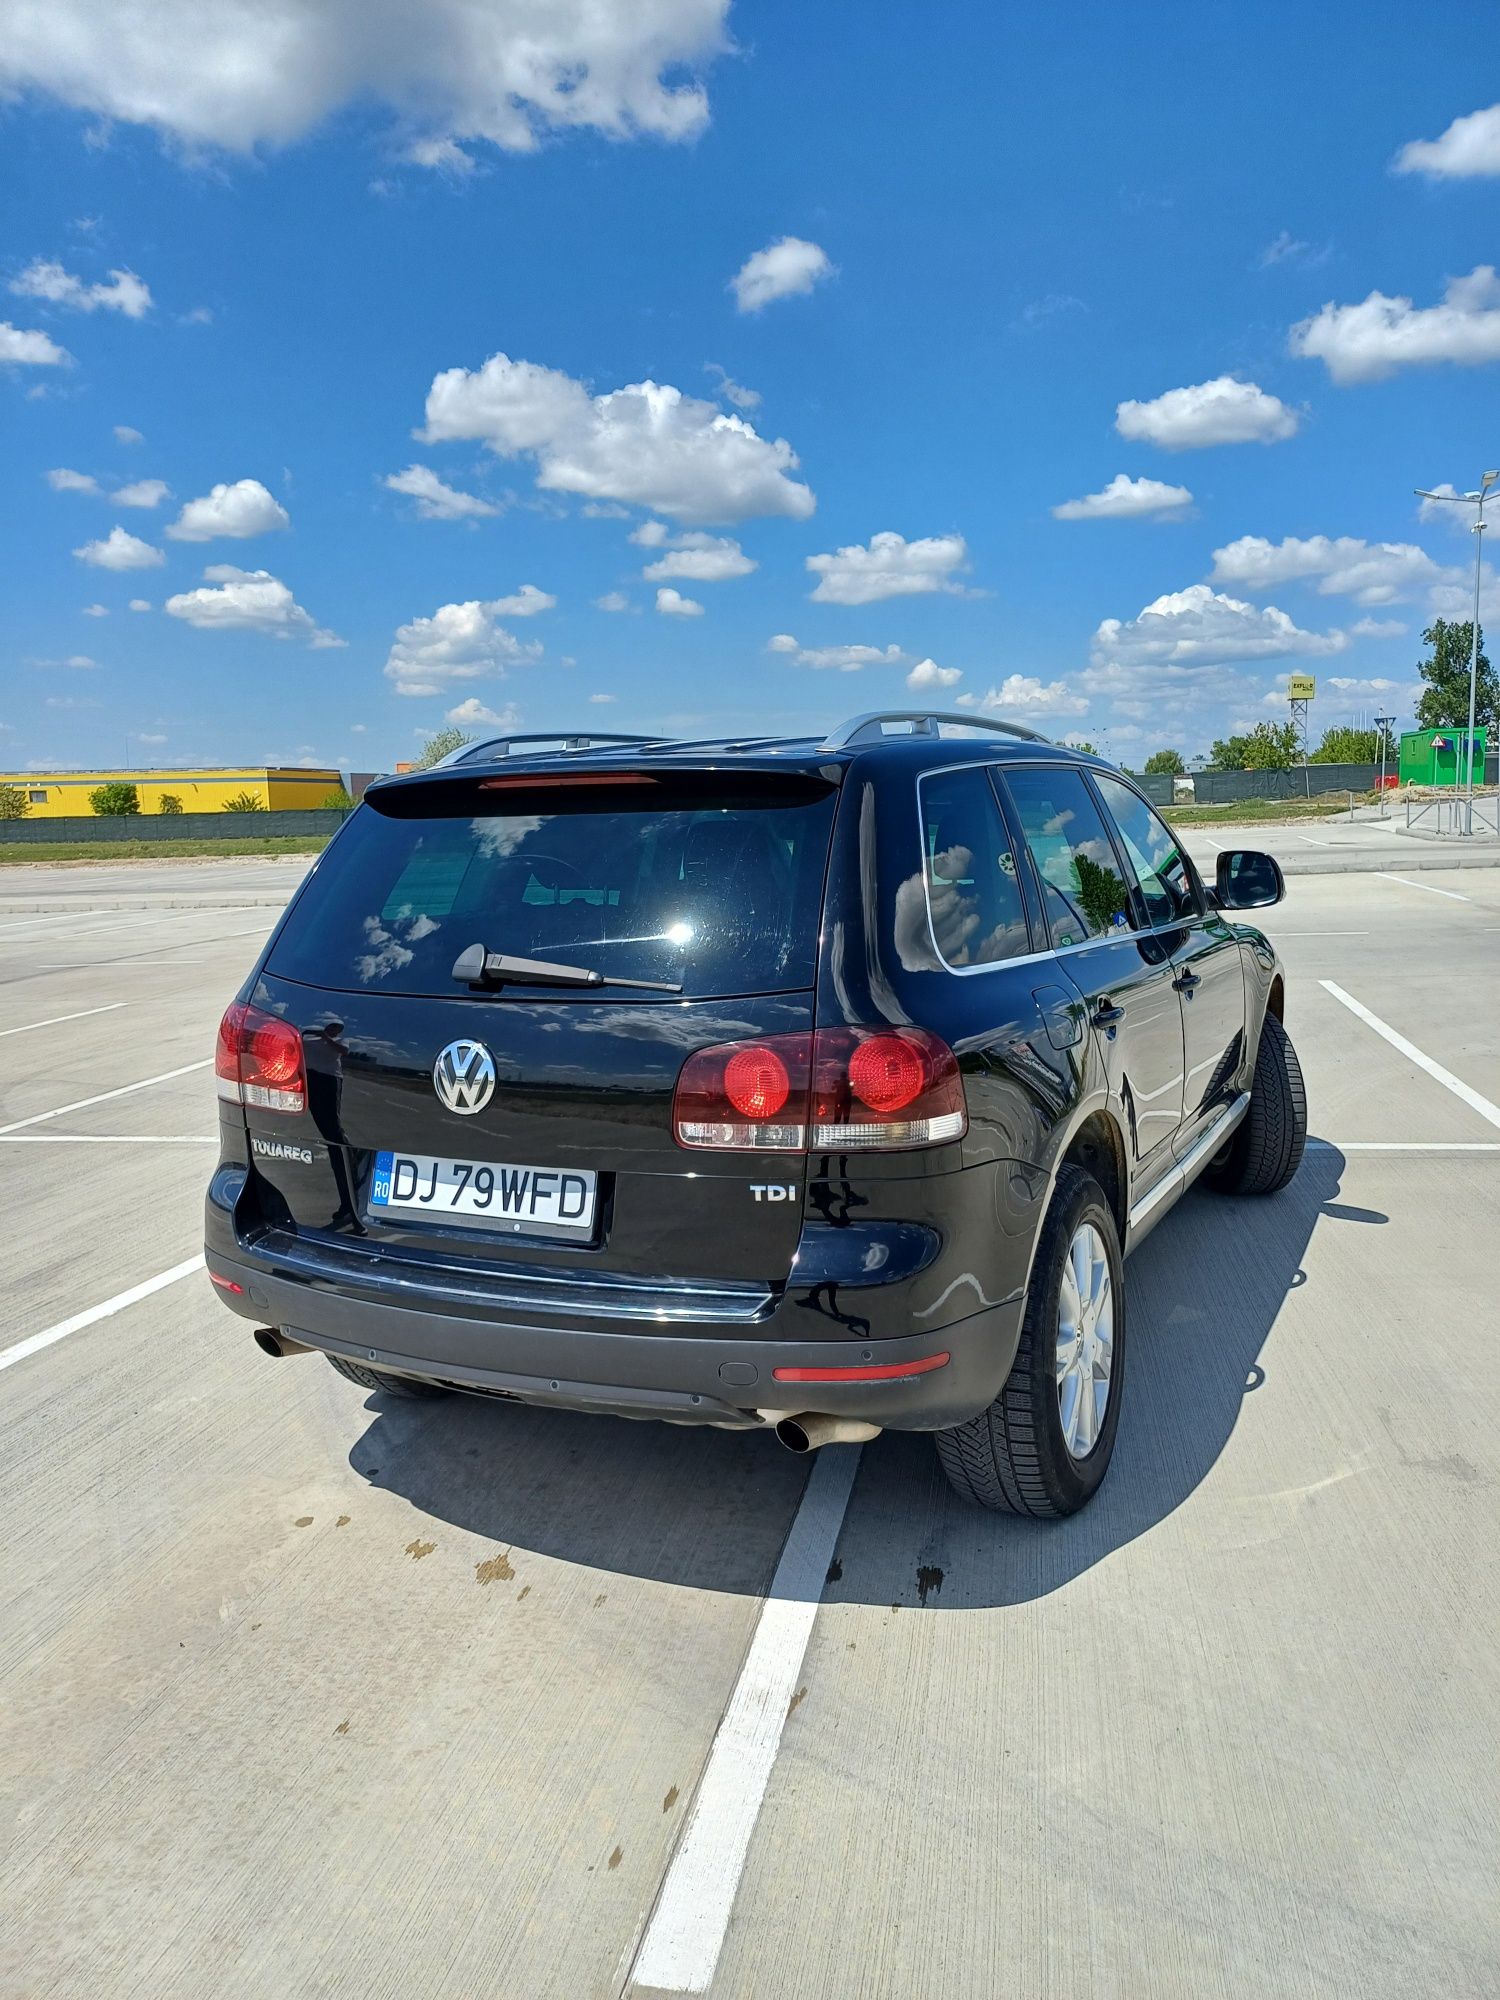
[{"x": 716, "y": 883}]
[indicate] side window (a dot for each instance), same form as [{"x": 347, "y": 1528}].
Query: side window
[
  {"x": 973, "y": 897},
  {"x": 1167, "y": 887},
  {"x": 1083, "y": 893}
]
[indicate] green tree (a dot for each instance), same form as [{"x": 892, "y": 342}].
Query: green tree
[
  {"x": 1082, "y": 743},
  {"x": 1270, "y": 746},
  {"x": 119, "y": 799},
  {"x": 1445, "y": 699},
  {"x": 1165, "y": 764},
  {"x": 1344, "y": 745},
  {"x": 338, "y": 800},
  {"x": 439, "y": 746},
  {"x": 1101, "y": 893},
  {"x": 170, "y": 804},
  {"x": 14, "y": 803},
  {"x": 244, "y": 802}
]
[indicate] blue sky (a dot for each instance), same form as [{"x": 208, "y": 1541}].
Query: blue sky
[{"x": 907, "y": 281}]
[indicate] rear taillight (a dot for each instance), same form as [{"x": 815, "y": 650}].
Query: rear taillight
[
  {"x": 841, "y": 1090},
  {"x": 258, "y": 1061}
]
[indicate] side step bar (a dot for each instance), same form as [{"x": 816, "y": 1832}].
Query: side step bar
[{"x": 1153, "y": 1205}]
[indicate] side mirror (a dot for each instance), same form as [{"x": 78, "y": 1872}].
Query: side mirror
[{"x": 1247, "y": 880}]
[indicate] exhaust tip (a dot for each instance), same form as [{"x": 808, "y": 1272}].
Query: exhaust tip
[
  {"x": 271, "y": 1340},
  {"x": 810, "y": 1430}
]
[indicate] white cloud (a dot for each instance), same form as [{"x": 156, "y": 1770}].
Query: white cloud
[
  {"x": 120, "y": 551},
  {"x": 1378, "y": 628},
  {"x": 1187, "y": 631},
  {"x": 1469, "y": 149},
  {"x": 247, "y": 600},
  {"x": 526, "y": 602},
  {"x": 233, "y": 512},
  {"x": 42, "y": 279},
  {"x": 473, "y": 711},
  {"x": 790, "y": 265},
  {"x": 222, "y": 73},
  {"x": 436, "y": 501},
  {"x": 1284, "y": 248},
  {"x": 1025, "y": 695},
  {"x": 1223, "y": 411},
  {"x": 96, "y": 610},
  {"x": 650, "y": 534},
  {"x": 732, "y": 391},
  {"x": 143, "y": 737},
  {"x": 672, "y": 604},
  {"x": 837, "y": 659},
  {"x": 73, "y": 660},
  {"x": 1126, "y": 499},
  {"x": 143, "y": 493},
  {"x": 139, "y": 604},
  {"x": 459, "y": 642},
  {"x": 928, "y": 674},
  {"x": 1377, "y": 685},
  {"x": 128, "y": 434},
  {"x": 612, "y": 600},
  {"x": 1365, "y": 342},
  {"x": 21, "y": 347},
  {"x": 647, "y": 444},
  {"x": 1369, "y": 572},
  {"x": 61, "y": 480},
  {"x": 700, "y": 558},
  {"x": 603, "y": 697},
  {"x": 890, "y": 567}
]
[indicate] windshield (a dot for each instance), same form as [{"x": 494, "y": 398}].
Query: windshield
[{"x": 723, "y": 897}]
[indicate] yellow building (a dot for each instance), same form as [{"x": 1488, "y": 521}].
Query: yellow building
[{"x": 65, "y": 794}]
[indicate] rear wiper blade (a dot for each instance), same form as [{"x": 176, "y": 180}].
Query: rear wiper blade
[{"x": 478, "y": 967}]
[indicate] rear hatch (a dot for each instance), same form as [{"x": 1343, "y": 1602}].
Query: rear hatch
[{"x": 711, "y": 880}]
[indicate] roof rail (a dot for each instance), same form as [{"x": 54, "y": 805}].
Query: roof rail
[
  {"x": 533, "y": 744},
  {"x": 923, "y": 721}
]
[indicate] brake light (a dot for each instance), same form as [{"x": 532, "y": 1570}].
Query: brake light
[
  {"x": 258, "y": 1060},
  {"x": 841, "y": 1090},
  {"x": 745, "y": 1096}
]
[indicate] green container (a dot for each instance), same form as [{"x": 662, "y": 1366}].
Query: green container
[{"x": 1440, "y": 756}]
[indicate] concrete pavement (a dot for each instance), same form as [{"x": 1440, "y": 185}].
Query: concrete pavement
[{"x": 311, "y": 1692}]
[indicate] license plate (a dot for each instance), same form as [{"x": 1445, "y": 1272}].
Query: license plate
[{"x": 484, "y": 1194}]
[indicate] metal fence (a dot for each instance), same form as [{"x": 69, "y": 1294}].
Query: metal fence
[
  {"x": 1217, "y": 788},
  {"x": 1451, "y": 815},
  {"x": 173, "y": 826}
]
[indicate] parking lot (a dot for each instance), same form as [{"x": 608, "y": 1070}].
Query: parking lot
[{"x": 313, "y": 1693}]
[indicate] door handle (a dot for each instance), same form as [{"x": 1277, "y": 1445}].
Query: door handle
[
  {"x": 1107, "y": 1014},
  {"x": 1186, "y": 981}
]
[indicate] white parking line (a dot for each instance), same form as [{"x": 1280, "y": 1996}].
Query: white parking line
[
  {"x": 1451, "y": 894},
  {"x": 1413, "y": 1054},
  {"x": 1405, "y": 1145},
  {"x": 61, "y": 917},
  {"x": 686, "y": 1930},
  {"x": 82, "y": 1103},
  {"x": 103, "y": 1139},
  {"x": 55, "y": 1020},
  {"x": 11, "y": 1355}
]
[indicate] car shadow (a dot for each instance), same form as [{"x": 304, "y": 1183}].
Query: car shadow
[{"x": 710, "y": 1509}]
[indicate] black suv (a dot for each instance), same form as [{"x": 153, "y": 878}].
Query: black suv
[{"x": 815, "y": 1086}]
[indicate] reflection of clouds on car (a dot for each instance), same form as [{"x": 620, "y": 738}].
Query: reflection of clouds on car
[
  {"x": 392, "y": 946},
  {"x": 496, "y": 838},
  {"x": 954, "y": 904}
]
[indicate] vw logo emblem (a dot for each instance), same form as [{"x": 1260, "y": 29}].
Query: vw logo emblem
[{"x": 464, "y": 1077}]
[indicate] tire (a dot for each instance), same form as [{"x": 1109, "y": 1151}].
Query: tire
[
  {"x": 1266, "y": 1150},
  {"x": 1014, "y": 1457},
  {"x": 386, "y": 1385}
]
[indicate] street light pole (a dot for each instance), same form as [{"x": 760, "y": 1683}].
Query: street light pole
[
  {"x": 1383, "y": 724},
  {"x": 1473, "y": 500}
]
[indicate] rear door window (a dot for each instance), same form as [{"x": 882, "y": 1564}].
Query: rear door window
[
  {"x": 973, "y": 897},
  {"x": 1162, "y": 871},
  {"x": 715, "y": 882},
  {"x": 1084, "y": 895}
]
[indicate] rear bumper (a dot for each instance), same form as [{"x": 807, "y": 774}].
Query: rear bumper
[{"x": 679, "y": 1376}]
